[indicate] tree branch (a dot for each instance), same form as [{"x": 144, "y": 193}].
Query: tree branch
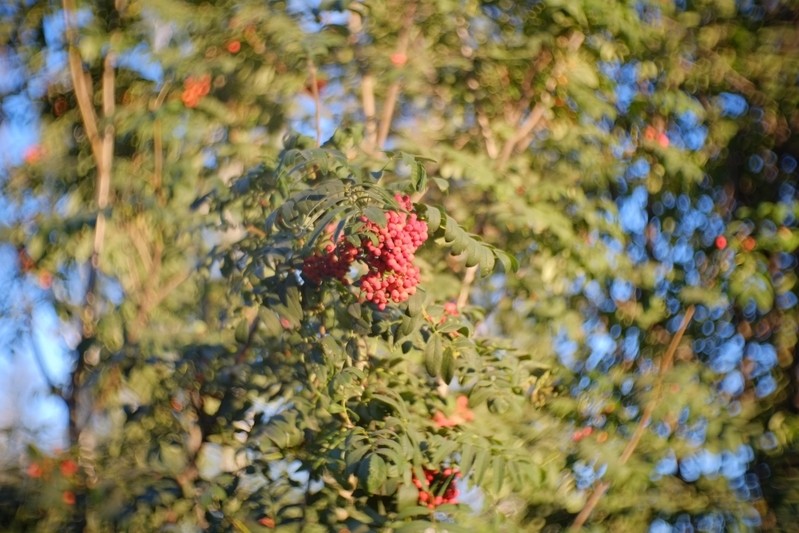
[
  {"x": 317, "y": 101},
  {"x": 394, "y": 88},
  {"x": 466, "y": 286},
  {"x": 102, "y": 148},
  {"x": 81, "y": 82},
  {"x": 665, "y": 365},
  {"x": 355, "y": 25},
  {"x": 369, "y": 111},
  {"x": 527, "y": 127}
]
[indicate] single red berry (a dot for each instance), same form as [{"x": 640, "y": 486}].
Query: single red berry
[
  {"x": 721, "y": 242},
  {"x": 68, "y": 497},
  {"x": 34, "y": 470},
  {"x": 69, "y": 468},
  {"x": 398, "y": 59}
]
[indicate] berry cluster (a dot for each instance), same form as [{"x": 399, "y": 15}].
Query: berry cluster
[
  {"x": 194, "y": 89},
  {"x": 335, "y": 263},
  {"x": 391, "y": 273},
  {"x": 440, "y": 489}
]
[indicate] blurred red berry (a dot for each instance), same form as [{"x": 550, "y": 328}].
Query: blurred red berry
[
  {"x": 398, "y": 59},
  {"x": 194, "y": 89},
  {"x": 233, "y": 47},
  {"x": 68, "y": 468},
  {"x": 321, "y": 83},
  {"x": 721, "y": 242},
  {"x": 33, "y": 154},
  {"x": 69, "y": 497},
  {"x": 440, "y": 488},
  {"x": 580, "y": 434},
  {"x": 45, "y": 280},
  {"x": 34, "y": 470}
]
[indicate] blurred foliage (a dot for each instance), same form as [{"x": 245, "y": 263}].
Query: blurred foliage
[{"x": 588, "y": 172}]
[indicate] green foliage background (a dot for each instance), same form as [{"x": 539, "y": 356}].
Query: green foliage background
[{"x": 210, "y": 389}]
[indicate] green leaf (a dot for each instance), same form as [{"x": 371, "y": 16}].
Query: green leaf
[
  {"x": 447, "y": 365},
  {"x": 433, "y": 355},
  {"x": 372, "y": 473},
  {"x": 432, "y": 216},
  {"x": 376, "y": 215}
]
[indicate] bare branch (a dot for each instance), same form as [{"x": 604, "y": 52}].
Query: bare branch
[
  {"x": 527, "y": 127},
  {"x": 312, "y": 72},
  {"x": 665, "y": 365},
  {"x": 355, "y": 25},
  {"x": 394, "y": 88},
  {"x": 488, "y": 136},
  {"x": 466, "y": 285},
  {"x": 81, "y": 82},
  {"x": 368, "y": 102}
]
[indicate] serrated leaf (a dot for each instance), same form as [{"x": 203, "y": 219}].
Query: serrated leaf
[
  {"x": 433, "y": 217},
  {"x": 481, "y": 462},
  {"x": 442, "y": 184},
  {"x": 509, "y": 262},
  {"x": 467, "y": 458},
  {"x": 376, "y": 215},
  {"x": 372, "y": 472},
  {"x": 447, "y": 365},
  {"x": 418, "y": 176},
  {"x": 415, "y": 303},
  {"x": 432, "y": 356},
  {"x": 499, "y": 474}
]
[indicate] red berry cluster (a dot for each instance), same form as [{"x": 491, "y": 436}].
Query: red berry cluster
[
  {"x": 335, "y": 263},
  {"x": 194, "y": 89},
  {"x": 440, "y": 487},
  {"x": 391, "y": 273}
]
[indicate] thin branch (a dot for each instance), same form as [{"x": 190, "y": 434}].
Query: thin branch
[
  {"x": 369, "y": 111},
  {"x": 394, "y": 88},
  {"x": 158, "y": 145},
  {"x": 81, "y": 82},
  {"x": 317, "y": 101},
  {"x": 106, "y": 159},
  {"x": 466, "y": 286},
  {"x": 527, "y": 127},
  {"x": 355, "y": 26},
  {"x": 388, "y": 113},
  {"x": 665, "y": 365},
  {"x": 485, "y": 130},
  {"x": 103, "y": 153}
]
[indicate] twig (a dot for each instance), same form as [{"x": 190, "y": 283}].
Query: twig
[
  {"x": 394, "y": 88},
  {"x": 466, "y": 285},
  {"x": 485, "y": 130},
  {"x": 158, "y": 145},
  {"x": 355, "y": 25},
  {"x": 527, "y": 127},
  {"x": 317, "y": 101},
  {"x": 369, "y": 112},
  {"x": 81, "y": 82},
  {"x": 665, "y": 364}
]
